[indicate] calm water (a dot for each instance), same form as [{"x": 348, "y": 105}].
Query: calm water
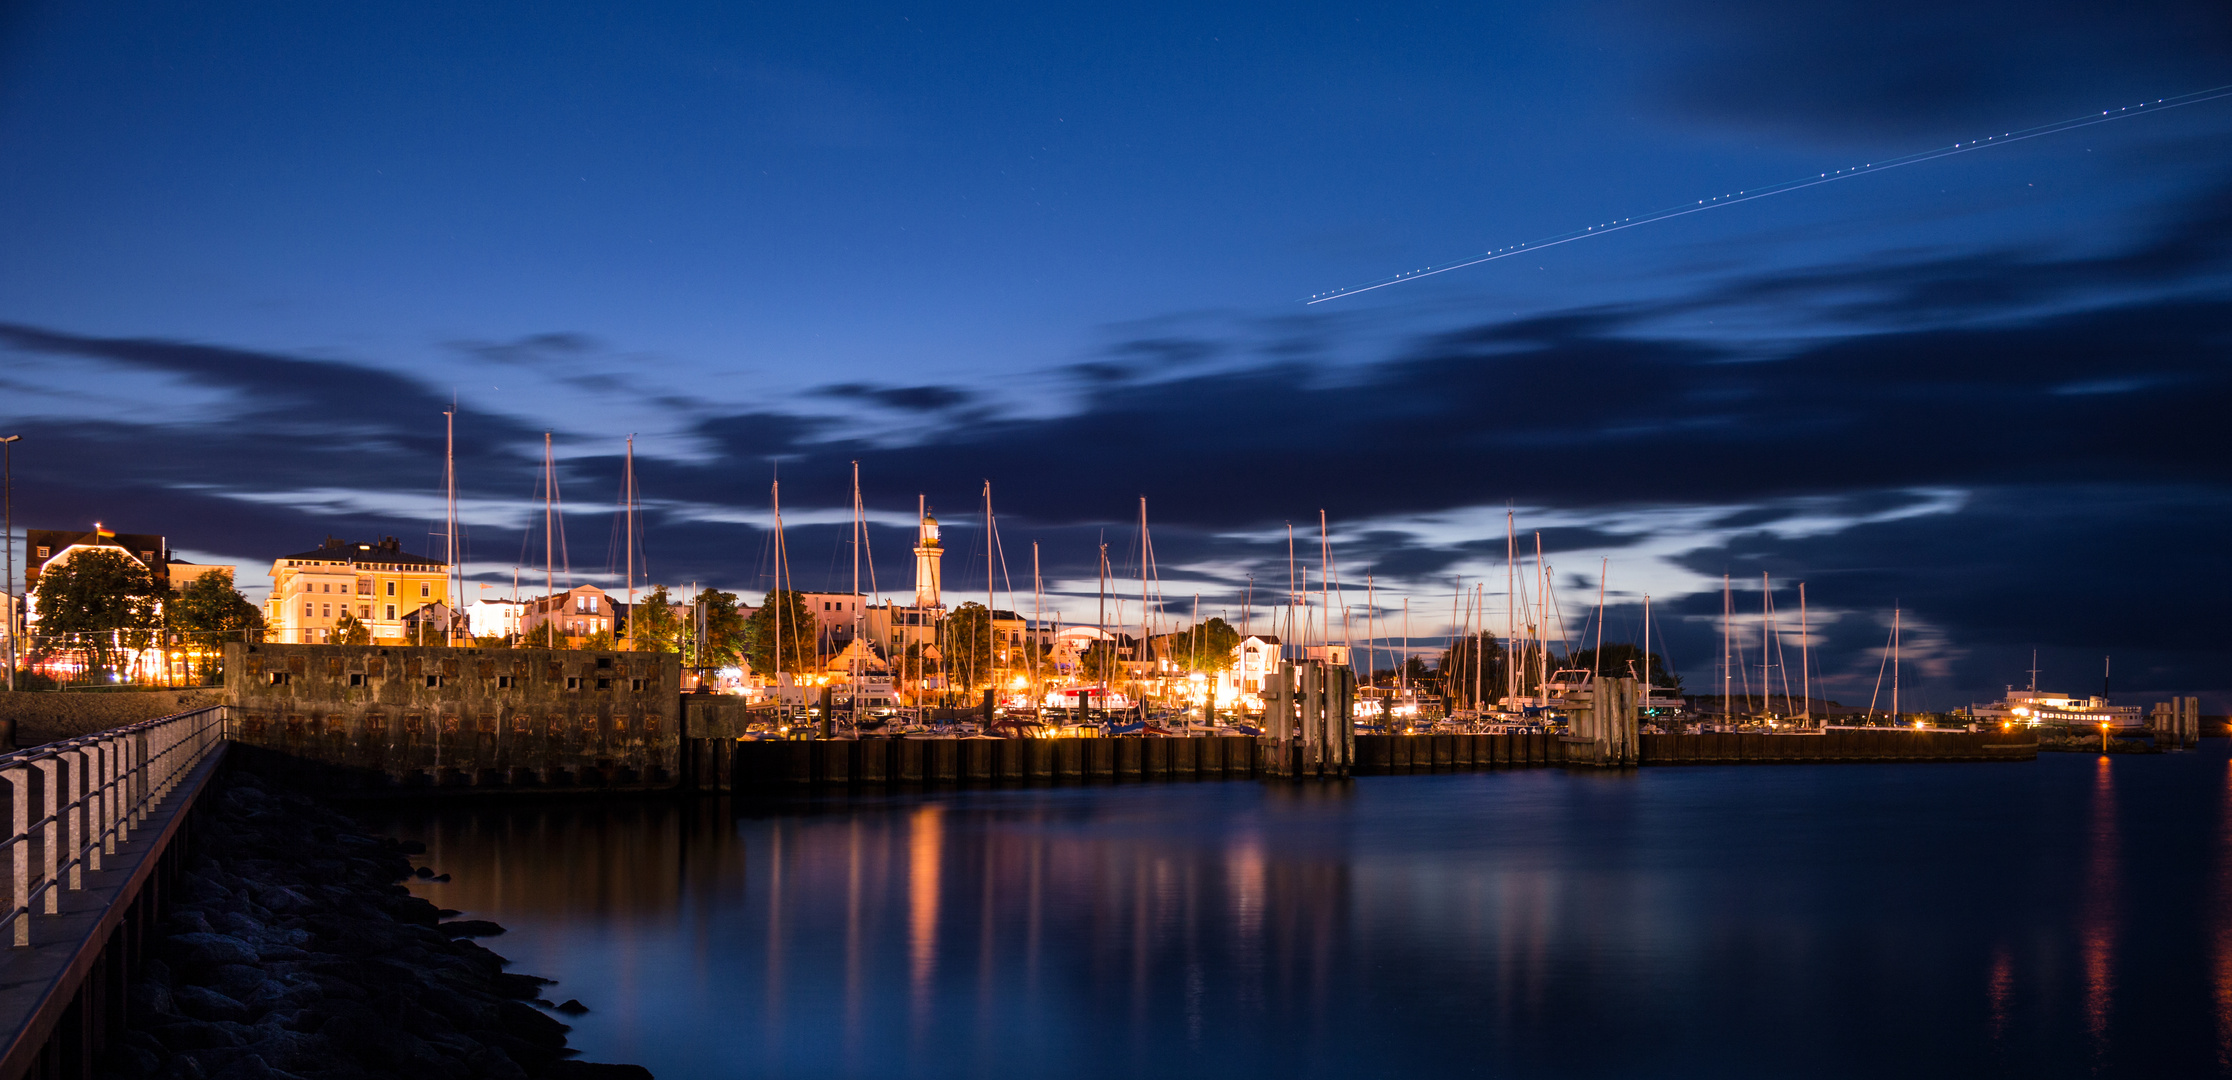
[{"x": 2068, "y": 917}]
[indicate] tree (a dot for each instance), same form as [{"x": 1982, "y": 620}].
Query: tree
[
  {"x": 1476, "y": 661},
  {"x": 1103, "y": 661},
  {"x": 348, "y": 631},
  {"x": 965, "y": 640},
  {"x": 211, "y": 606},
  {"x": 784, "y": 617},
  {"x": 600, "y": 641},
  {"x": 1624, "y": 661},
  {"x": 492, "y": 641},
  {"x": 210, "y": 611},
  {"x": 1206, "y": 647},
  {"x": 104, "y": 599},
  {"x": 653, "y": 625}
]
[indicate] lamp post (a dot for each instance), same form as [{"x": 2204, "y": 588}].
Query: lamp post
[{"x": 7, "y": 584}]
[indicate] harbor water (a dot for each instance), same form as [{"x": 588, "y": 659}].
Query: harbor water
[{"x": 2070, "y": 916}]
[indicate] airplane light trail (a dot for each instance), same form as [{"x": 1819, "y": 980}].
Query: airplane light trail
[{"x": 1745, "y": 195}]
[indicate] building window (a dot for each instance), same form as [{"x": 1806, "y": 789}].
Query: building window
[
  {"x": 328, "y": 611},
  {"x": 45, "y": 551},
  {"x": 391, "y": 611},
  {"x": 364, "y": 611},
  {"x": 425, "y": 590},
  {"x": 309, "y": 611},
  {"x": 391, "y": 592}
]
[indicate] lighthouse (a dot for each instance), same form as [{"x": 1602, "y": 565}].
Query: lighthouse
[{"x": 927, "y": 557}]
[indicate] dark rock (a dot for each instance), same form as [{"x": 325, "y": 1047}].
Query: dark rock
[
  {"x": 195, "y": 1035},
  {"x": 593, "y": 1070},
  {"x": 149, "y": 999},
  {"x": 288, "y": 914},
  {"x": 527, "y": 1022},
  {"x": 523, "y": 987},
  {"x": 235, "y": 981},
  {"x": 572, "y": 1007},
  {"x": 207, "y": 950},
  {"x": 202, "y": 1003}
]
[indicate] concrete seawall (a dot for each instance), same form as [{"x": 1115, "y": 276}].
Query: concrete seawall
[{"x": 768, "y": 766}]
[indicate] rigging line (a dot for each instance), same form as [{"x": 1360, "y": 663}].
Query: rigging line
[{"x": 1783, "y": 188}]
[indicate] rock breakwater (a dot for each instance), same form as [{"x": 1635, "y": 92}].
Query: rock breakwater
[{"x": 292, "y": 950}]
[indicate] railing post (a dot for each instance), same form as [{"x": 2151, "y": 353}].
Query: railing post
[
  {"x": 18, "y": 785},
  {"x": 111, "y": 768},
  {"x": 51, "y": 834},
  {"x": 76, "y": 769}
]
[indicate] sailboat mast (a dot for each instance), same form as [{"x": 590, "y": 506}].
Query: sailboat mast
[
  {"x": 1728, "y": 676},
  {"x": 1146, "y": 635},
  {"x": 550, "y": 551},
  {"x": 1292, "y": 596},
  {"x": 1325, "y": 581},
  {"x": 1542, "y": 570},
  {"x": 991, "y": 600},
  {"x": 1479, "y": 644},
  {"x": 1511, "y": 609},
  {"x": 1894, "y": 665},
  {"x": 1402, "y": 666},
  {"x": 1038, "y": 605},
  {"x": 1766, "y": 630},
  {"x": 1805, "y": 654},
  {"x": 629, "y": 484},
  {"x": 1603, "y": 568},
  {"x": 775, "y": 502},
  {"x": 449, "y": 501},
  {"x": 860, "y": 613}
]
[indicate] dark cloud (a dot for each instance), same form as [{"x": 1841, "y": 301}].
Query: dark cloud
[
  {"x": 533, "y": 349},
  {"x": 1909, "y": 68},
  {"x": 921, "y": 399}
]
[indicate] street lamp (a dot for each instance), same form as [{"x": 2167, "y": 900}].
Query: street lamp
[{"x": 7, "y": 584}]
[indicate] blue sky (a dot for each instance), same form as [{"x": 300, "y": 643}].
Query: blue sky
[{"x": 253, "y": 249}]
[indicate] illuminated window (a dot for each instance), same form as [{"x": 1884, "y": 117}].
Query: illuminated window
[{"x": 45, "y": 551}]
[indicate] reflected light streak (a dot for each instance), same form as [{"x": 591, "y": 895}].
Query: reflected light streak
[
  {"x": 923, "y": 854},
  {"x": 2099, "y": 934},
  {"x": 2223, "y": 942}
]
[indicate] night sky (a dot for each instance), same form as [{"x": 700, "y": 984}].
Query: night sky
[{"x": 253, "y": 250}]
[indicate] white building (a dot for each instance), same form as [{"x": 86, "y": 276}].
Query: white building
[{"x": 495, "y": 618}]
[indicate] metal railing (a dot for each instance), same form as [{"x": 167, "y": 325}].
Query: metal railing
[{"x": 92, "y": 791}]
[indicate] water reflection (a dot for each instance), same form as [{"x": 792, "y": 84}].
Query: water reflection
[
  {"x": 2101, "y": 882},
  {"x": 1730, "y": 921}
]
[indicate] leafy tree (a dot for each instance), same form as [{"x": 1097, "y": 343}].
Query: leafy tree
[
  {"x": 654, "y": 625},
  {"x": 348, "y": 631},
  {"x": 965, "y": 639},
  {"x": 601, "y": 640},
  {"x": 1103, "y": 661},
  {"x": 1206, "y": 647},
  {"x": 546, "y": 636},
  {"x": 1479, "y": 660},
  {"x": 782, "y": 615},
  {"x": 1625, "y": 661},
  {"x": 210, "y": 606},
  {"x": 492, "y": 641},
  {"x": 211, "y": 611},
  {"x": 103, "y": 597}
]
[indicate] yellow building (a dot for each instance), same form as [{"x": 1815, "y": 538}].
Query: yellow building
[{"x": 378, "y": 583}]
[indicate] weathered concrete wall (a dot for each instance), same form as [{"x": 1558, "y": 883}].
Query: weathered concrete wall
[
  {"x": 44, "y": 716},
  {"x": 540, "y": 719}
]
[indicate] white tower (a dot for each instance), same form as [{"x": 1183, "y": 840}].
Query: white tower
[{"x": 928, "y": 553}]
